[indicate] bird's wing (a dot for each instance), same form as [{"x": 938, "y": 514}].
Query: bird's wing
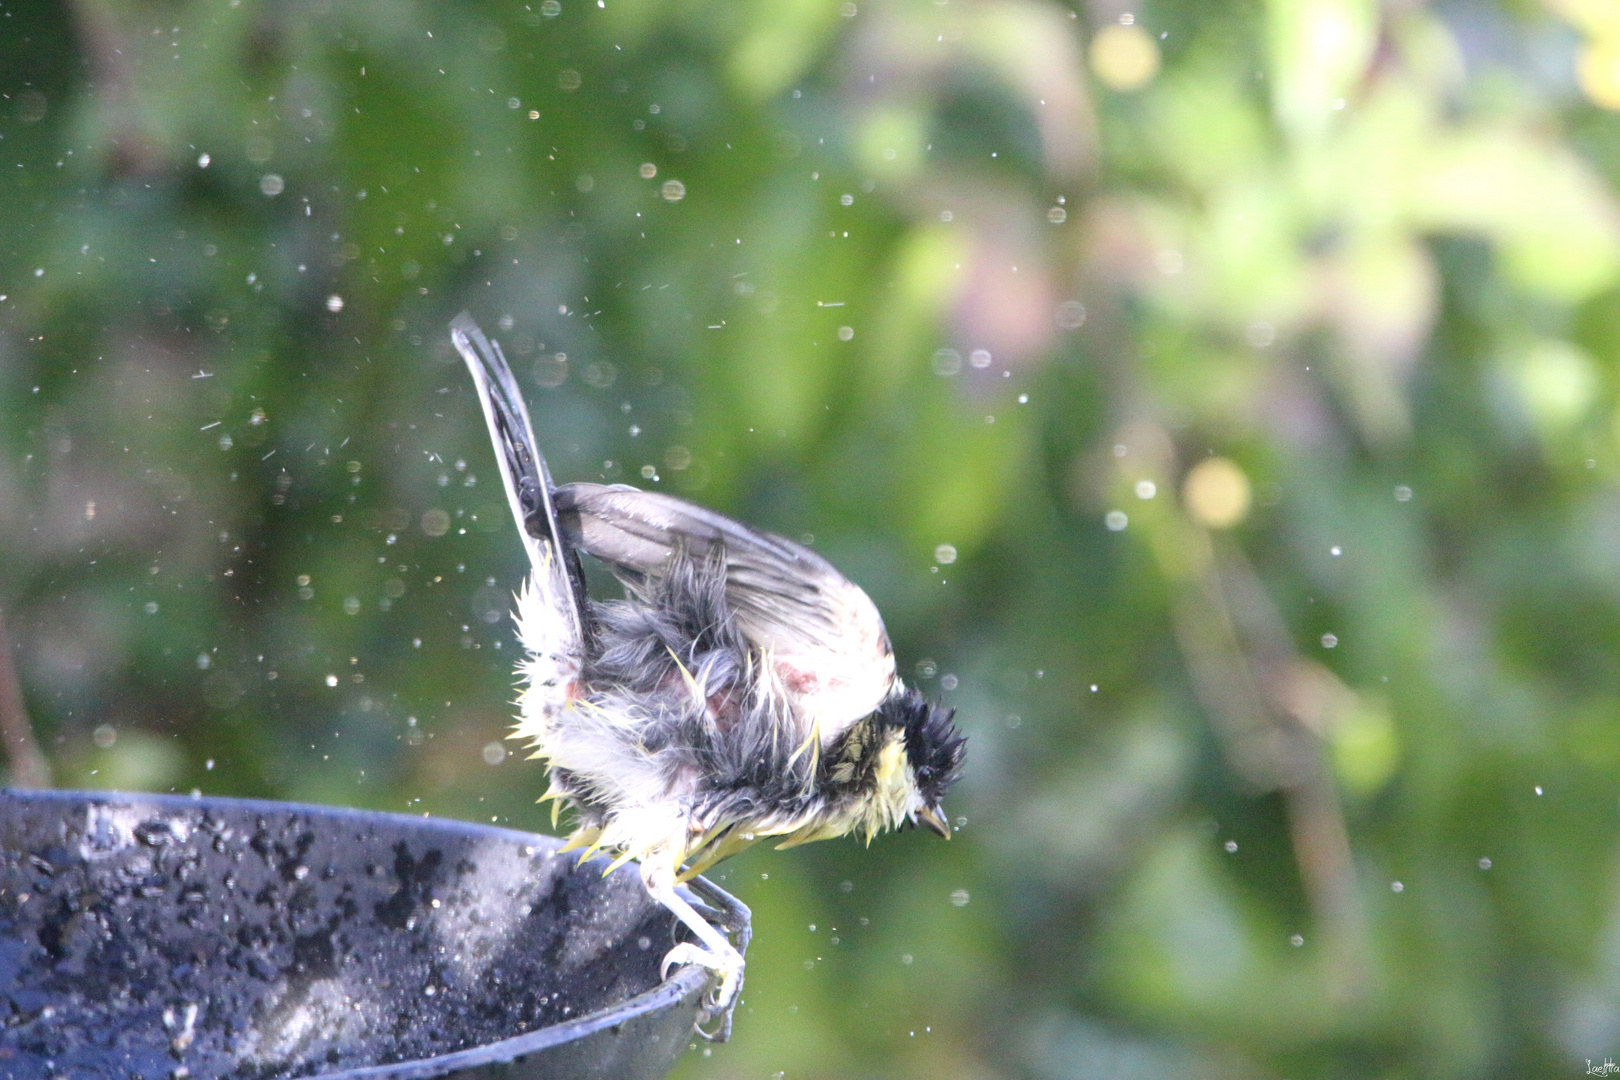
[
  {"x": 550, "y": 610},
  {"x": 820, "y": 633}
]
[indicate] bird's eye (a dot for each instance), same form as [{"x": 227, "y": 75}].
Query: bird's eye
[{"x": 924, "y": 773}]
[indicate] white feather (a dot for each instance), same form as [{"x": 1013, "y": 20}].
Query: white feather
[{"x": 550, "y": 672}]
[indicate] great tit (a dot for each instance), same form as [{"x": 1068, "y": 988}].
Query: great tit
[{"x": 742, "y": 690}]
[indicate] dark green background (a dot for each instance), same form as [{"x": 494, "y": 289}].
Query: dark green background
[{"x": 254, "y": 543}]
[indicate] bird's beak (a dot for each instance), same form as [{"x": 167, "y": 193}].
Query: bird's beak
[{"x": 934, "y": 818}]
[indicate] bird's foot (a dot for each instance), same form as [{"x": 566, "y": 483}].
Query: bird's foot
[
  {"x": 734, "y": 915},
  {"x": 723, "y": 998}
]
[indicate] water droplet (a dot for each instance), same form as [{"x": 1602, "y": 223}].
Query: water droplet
[
  {"x": 1070, "y": 315},
  {"x": 334, "y": 303},
  {"x": 331, "y": 680},
  {"x": 1116, "y": 520},
  {"x": 271, "y": 184},
  {"x": 1485, "y": 864},
  {"x": 1297, "y": 940},
  {"x": 1396, "y": 886},
  {"x": 945, "y": 554},
  {"x": 1330, "y": 641},
  {"x": 1403, "y": 493},
  {"x": 960, "y": 898},
  {"x": 1146, "y": 489},
  {"x": 1231, "y": 847},
  {"x": 947, "y": 682}
]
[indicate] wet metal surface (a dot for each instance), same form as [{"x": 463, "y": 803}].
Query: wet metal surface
[{"x": 168, "y": 938}]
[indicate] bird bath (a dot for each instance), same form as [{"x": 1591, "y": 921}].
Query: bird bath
[{"x": 151, "y": 937}]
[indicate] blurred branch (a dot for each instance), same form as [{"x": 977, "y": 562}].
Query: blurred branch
[
  {"x": 1270, "y": 707},
  {"x": 1313, "y": 698},
  {"x": 28, "y": 766},
  {"x": 113, "y": 57}
]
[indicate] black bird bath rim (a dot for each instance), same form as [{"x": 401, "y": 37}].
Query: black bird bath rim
[{"x": 355, "y": 918}]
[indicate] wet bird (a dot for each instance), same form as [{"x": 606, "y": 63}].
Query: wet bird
[{"x": 743, "y": 689}]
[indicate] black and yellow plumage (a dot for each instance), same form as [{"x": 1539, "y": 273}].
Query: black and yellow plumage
[{"x": 743, "y": 690}]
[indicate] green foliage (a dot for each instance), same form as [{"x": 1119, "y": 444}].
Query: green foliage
[{"x": 1304, "y": 765}]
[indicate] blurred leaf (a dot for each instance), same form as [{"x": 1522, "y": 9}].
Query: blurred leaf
[
  {"x": 1190, "y": 949},
  {"x": 1557, "y": 382},
  {"x": 1556, "y": 223},
  {"x": 958, "y": 470},
  {"x": 1319, "y": 51},
  {"x": 1366, "y": 750},
  {"x": 782, "y": 39}
]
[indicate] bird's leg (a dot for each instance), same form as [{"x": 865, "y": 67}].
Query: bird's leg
[
  {"x": 715, "y": 953},
  {"x": 738, "y": 919},
  {"x": 733, "y": 915}
]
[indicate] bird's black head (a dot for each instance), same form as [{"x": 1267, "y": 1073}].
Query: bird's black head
[{"x": 934, "y": 750}]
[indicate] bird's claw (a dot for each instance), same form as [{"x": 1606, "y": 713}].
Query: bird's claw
[
  {"x": 722, "y": 1031},
  {"x": 723, "y": 998}
]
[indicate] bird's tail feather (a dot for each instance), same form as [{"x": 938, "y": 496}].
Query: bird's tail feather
[
  {"x": 523, "y": 468},
  {"x": 552, "y": 606}
]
